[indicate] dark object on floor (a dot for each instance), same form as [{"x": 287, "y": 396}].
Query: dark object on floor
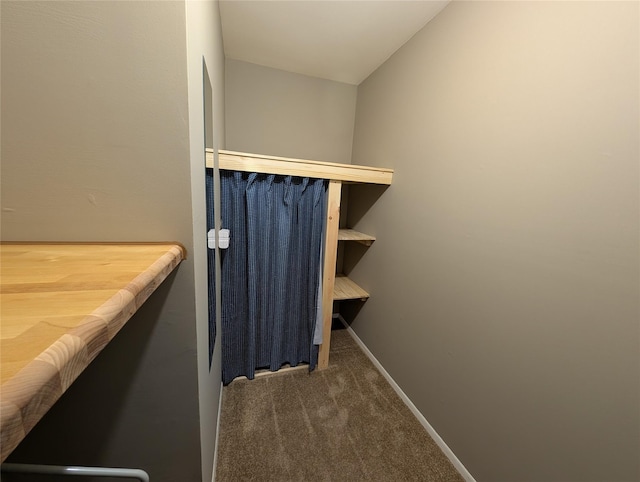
[{"x": 342, "y": 424}]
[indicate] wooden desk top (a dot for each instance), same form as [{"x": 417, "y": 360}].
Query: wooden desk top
[{"x": 60, "y": 304}]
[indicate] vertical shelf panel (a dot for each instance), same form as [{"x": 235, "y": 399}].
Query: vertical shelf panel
[{"x": 329, "y": 276}]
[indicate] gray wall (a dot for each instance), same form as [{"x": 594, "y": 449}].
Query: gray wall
[
  {"x": 270, "y": 111},
  {"x": 504, "y": 282},
  {"x": 204, "y": 43},
  {"x": 95, "y": 146}
]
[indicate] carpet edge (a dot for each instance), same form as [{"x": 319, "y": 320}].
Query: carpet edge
[{"x": 407, "y": 401}]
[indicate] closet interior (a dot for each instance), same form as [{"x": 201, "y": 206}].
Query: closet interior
[{"x": 335, "y": 286}]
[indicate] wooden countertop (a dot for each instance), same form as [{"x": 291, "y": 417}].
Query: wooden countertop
[{"x": 60, "y": 304}]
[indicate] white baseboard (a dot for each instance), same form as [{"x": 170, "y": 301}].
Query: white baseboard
[
  {"x": 430, "y": 430},
  {"x": 215, "y": 446}
]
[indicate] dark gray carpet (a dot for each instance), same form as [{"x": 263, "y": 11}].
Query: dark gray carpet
[{"x": 342, "y": 424}]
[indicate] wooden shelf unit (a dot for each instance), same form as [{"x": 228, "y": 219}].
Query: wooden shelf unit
[
  {"x": 336, "y": 174},
  {"x": 352, "y": 235},
  {"x": 346, "y": 289}
]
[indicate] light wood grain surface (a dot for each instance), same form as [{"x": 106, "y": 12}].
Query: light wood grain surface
[
  {"x": 346, "y": 289},
  {"x": 242, "y": 161},
  {"x": 60, "y": 304},
  {"x": 329, "y": 269},
  {"x": 352, "y": 235}
]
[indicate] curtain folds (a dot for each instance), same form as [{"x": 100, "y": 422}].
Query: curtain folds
[{"x": 271, "y": 271}]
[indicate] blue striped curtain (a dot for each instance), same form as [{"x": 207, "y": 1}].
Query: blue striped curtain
[{"x": 271, "y": 271}]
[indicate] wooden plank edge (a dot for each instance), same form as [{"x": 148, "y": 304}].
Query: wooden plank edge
[
  {"x": 329, "y": 269},
  {"x": 178, "y": 245},
  {"x": 351, "y": 173},
  {"x": 248, "y": 155}
]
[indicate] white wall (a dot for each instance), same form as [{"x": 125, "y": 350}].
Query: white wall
[
  {"x": 204, "y": 42},
  {"x": 270, "y": 111},
  {"x": 96, "y": 147},
  {"x": 504, "y": 280}
]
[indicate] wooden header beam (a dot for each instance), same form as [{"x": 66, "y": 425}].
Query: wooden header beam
[{"x": 240, "y": 161}]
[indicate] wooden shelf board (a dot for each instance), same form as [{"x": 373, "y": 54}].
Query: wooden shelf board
[
  {"x": 241, "y": 161},
  {"x": 346, "y": 289},
  {"x": 352, "y": 235}
]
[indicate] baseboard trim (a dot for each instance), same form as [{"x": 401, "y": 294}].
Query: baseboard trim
[
  {"x": 215, "y": 446},
  {"x": 430, "y": 430}
]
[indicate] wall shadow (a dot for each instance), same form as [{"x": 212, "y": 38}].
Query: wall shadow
[{"x": 360, "y": 199}]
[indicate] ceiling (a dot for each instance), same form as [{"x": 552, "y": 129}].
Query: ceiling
[{"x": 341, "y": 40}]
